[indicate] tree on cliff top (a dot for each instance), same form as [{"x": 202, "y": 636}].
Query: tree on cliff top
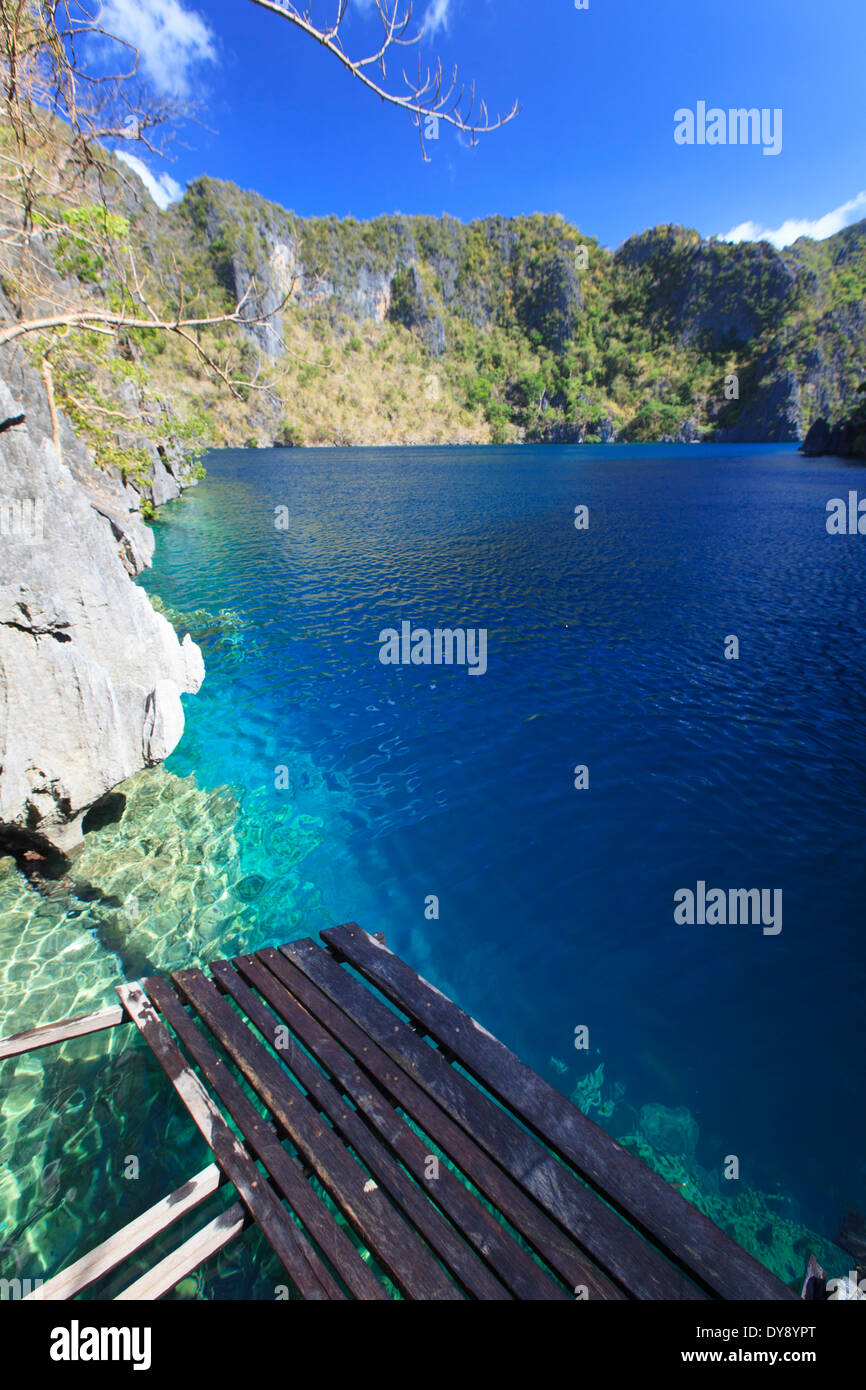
[{"x": 71, "y": 94}]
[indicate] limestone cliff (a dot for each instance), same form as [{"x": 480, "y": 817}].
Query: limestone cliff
[
  {"x": 90, "y": 675},
  {"x": 536, "y": 327}
]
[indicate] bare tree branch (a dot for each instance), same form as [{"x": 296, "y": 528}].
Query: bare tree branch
[
  {"x": 432, "y": 94},
  {"x": 65, "y": 258}
]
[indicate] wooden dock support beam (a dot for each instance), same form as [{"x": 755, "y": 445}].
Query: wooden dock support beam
[
  {"x": 212, "y": 1238},
  {"x": 49, "y": 1033},
  {"x": 132, "y": 1237}
]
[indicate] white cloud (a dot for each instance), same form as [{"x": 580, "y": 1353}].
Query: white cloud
[
  {"x": 172, "y": 40},
  {"x": 794, "y": 227},
  {"x": 162, "y": 188},
  {"x": 437, "y": 16}
]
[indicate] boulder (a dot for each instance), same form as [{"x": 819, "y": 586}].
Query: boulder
[
  {"x": 846, "y": 439},
  {"x": 817, "y": 441}
]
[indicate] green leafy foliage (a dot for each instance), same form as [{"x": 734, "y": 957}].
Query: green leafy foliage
[
  {"x": 92, "y": 230},
  {"x": 547, "y": 333}
]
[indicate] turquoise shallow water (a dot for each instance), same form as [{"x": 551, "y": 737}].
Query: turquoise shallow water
[{"x": 322, "y": 786}]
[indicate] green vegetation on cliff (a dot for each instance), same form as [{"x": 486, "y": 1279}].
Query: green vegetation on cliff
[{"x": 419, "y": 329}]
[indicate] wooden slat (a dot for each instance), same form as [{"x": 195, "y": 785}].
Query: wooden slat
[
  {"x": 132, "y": 1237},
  {"x": 477, "y": 1223},
  {"x": 547, "y": 1238},
  {"x": 285, "y": 1170},
  {"x": 303, "y": 1265},
  {"x": 416, "y": 1203},
  {"x": 49, "y": 1033},
  {"x": 646, "y": 1199},
  {"x": 165, "y": 1275},
  {"x": 408, "y": 1262},
  {"x": 616, "y": 1247}
]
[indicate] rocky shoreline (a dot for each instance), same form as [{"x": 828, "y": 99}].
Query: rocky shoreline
[
  {"x": 846, "y": 439},
  {"x": 90, "y": 674}
]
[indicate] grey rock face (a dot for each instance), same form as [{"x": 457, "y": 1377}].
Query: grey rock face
[
  {"x": 563, "y": 432},
  {"x": 164, "y": 487},
  {"x": 744, "y": 302},
  {"x": 601, "y": 430},
  {"x": 773, "y": 413},
  {"x": 550, "y": 299},
  {"x": 705, "y": 291},
  {"x": 90, "y": 676},
  {"x": 412, "y": 306},
  {"x": 818, "y": 440},
  {"x": 605, "y": 429},
  {"x": 844, "y": 439},
  {"x": 688, "y": 433},
  {"x": 726, "y": 301}
]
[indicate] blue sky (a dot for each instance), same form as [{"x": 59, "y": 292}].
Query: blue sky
[{"x": 599, "y": 88}]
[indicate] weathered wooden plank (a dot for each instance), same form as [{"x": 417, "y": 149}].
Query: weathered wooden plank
[
  {"x": 48, "y": 1034},
  {"x": 165, "y": 1275},
  {"x": 477, "y": 1223},
  {"x": 642, "y": 1195},
  {"x": 132, "y": 1237},
  {"x": 255, "y": 1192},
  {"x": 612, "y": 1244},
  {"x": 261, "y": 1138},
  {"x": 416, "y": 1203},
  {"x": 398, "y": 1249}
]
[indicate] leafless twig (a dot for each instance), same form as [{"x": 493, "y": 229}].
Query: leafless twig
[{"x": 433, "y": 94}]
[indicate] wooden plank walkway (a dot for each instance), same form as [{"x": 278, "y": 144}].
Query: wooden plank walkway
[
  {"x": 383, "y": 1140},
  {"x": 449, "y": 1166}
]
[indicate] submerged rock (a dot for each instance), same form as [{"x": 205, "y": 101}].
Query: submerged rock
[
  {"x": 669, "y": 1131},
  {"x": 153, "y": 888}
]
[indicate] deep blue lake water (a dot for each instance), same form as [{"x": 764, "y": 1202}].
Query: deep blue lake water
[
  {"x": 321, "y": 786},
  {"x": 606, "y": 648}
]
